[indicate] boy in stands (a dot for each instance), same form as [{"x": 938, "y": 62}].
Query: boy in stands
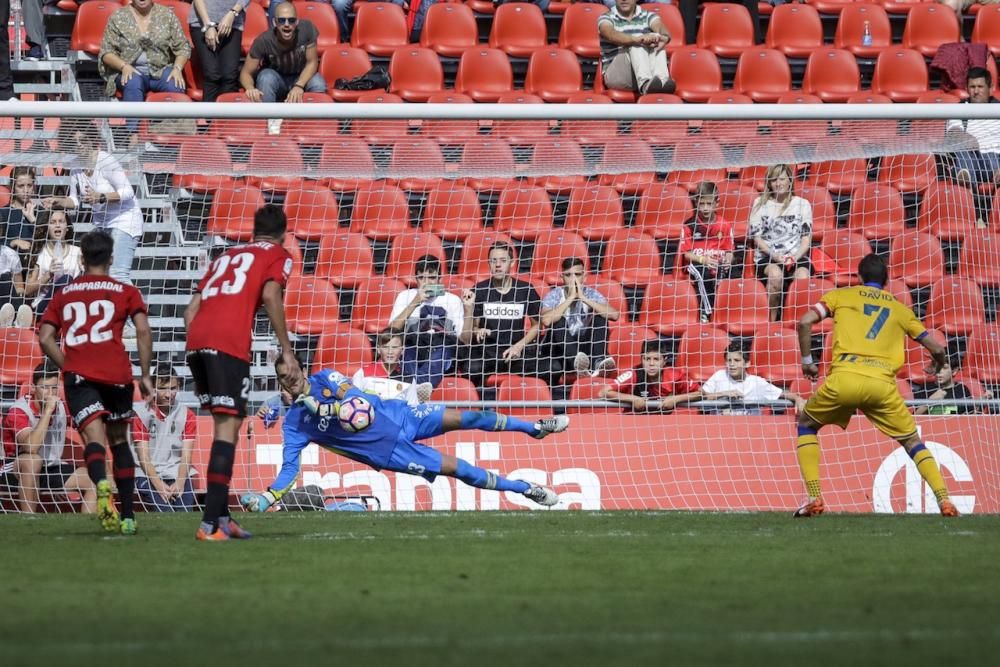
[{"x": 652, "y": 383}]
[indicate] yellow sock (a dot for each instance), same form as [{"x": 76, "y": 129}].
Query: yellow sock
[
  {"x": 807, "y": 452},
  {"x": 929, "y": 470}
]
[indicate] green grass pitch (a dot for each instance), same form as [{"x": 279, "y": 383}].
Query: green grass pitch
[{"x": 539, "y": 588}]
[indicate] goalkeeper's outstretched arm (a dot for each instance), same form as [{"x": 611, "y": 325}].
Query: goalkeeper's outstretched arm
[{"x": 291, "y": 453}]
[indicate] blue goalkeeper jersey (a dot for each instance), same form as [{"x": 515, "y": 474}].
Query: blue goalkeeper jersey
[{"x": 372, "y": 446}]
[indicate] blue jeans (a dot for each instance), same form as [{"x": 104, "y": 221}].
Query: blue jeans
[
  {"x": 275, "y": 87},
  {"x": 140, "y": 84},
  {"x": 427, "y": 365},
  {"x": 122, "y": 254},
  {"x": 981, "y": 166},
  {"x": 154, "y": 502}
]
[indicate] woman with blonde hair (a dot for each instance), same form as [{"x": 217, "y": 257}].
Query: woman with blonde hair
[{"x": 781, "y": 229}]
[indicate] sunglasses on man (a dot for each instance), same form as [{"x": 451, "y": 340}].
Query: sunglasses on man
[{"x": 285, "y": 20}]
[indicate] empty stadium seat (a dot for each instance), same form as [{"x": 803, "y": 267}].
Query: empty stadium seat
[
  {"x": 795, "y": 30},
  {"x": 518, "y": 29},
  {"x": 851, "y": 29},
  {"x": 343, "y": 62},
  {"x": 255, "y": 22},
  {"x": 740, "y": 306},
  {"x": 823, "y": 209},
  {"x": 802, "y": 294},
  {"x": 876, "y": 211},
  {"x": 660, "y": 132},
  {"x": 380, "y": 131},
  {"x": 232, "y": 212},
  {"x": 916, "y": 258},
  {"x": 233, "y": 131},
  {"x": 867, "y": 131},
  {"x": 452, "y": 211},
  {"x": 632, "y": 258},
  {"x": 800, "y": 132},
  {"x": 987, "y": 28},
  {"x": 449, "y": 29},
  {"x": 697, "y": 152},
  {"x": 831, "y": 74},
  {"x": 725, "y": 29},
  {"x": 578, "y": 29},
  {"x": 409, "y": 247},
  {"x": 733, "y": 130},
  {"x": 523, "y": 211},
  {"x": 345, "y": 258},
  {"x": 373, "y": 300},
  {"x": 588, "y": 131},
  {"x": 520, "y": 131},
  {"x": 908, "y": 173},
  {"x": 417, "y": 164},
  {"x": 560, "y": 163},
  {"x": 840, "y": 176},
  {"x": 669, "y": 306},
  {"x": 846, "y": 249},
  {"x": 595, "y": 211},
  {"x": 416, "y": 73},
  {"x": 628, "y": 165},
  {"x": 983, "y": 358},
  {"x": 489, "y": 164},
  {"x": 321, "y": 15},
  {"x": 762, "y": 74},
  {"x": 663, "y": 210},
  {"x": 346, "y": 164},
  {"x": 928, "y": 26},
  {"x": 379, "y": 28},
  {"x": 88, "y": 28},
  {"x": 474, "y": 263},
  {"x": 625, "y": 341},
  {"x": 20, "y": 353},
  {"x": 525, "y": 389},
  {"x": 696, "y": 72},
  {"x": 956, "y": 306},
  {"x": 483, "y": 74},
  {"x": 275, "y": 155},
  {"x": 979, "y": 259},
  {"x": 455, "y": 388},
  {"x": 204, "y": 150},
  {"x": 449, "y": 131},
  {"x": 552, "y": 246},
  {"x": 586, "y": 388},
  {"x": 736, "y": 200},
  {"x": 343, "y": 348},
  {"x": 900, "y": 74},
  {"x": 553, "y": 74},
  {"x": 701, "y": 351},
  {"x": 947, "y": 211},
  {"x": 775, "y": 354},
  {"x": 312, "y": 211},
  {"x": 312, "y": 305},
  {"x": 380, "y": 211}
]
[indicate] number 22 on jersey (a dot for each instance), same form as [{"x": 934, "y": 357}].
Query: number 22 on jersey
[
  {"x": 78, "y": 314},
  {"x": 231, "y": 270}
]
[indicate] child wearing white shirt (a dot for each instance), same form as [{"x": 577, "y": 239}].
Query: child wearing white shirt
[{"x": 735, "y": 383}]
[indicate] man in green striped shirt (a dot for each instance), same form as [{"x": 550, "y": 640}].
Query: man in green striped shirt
[{"x": 632, "y": 49}]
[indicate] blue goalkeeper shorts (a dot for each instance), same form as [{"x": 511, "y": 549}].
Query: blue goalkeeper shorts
[{"x": 415, "y": 459}]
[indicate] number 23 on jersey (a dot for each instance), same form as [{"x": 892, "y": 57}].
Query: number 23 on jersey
[{"x": 228, "y": 274}]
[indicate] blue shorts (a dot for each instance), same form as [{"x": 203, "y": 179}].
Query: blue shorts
[
  {"x": 415, "y": 459},
  {"x": 423, "y": 421}
]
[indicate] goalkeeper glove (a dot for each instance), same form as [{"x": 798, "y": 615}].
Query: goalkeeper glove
[
  {"x": 258, "y": 502},
  {"x": 311, "y": 404}
]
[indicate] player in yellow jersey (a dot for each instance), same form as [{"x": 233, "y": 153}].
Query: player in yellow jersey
[{"x": 869, "y": 326}]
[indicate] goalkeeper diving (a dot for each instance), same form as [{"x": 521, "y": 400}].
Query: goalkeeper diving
[{"x": 390, "y": 442}]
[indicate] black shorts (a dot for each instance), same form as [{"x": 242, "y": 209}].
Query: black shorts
[
  {"x": 88, "y": 400},
  {"x": 221, "y": 381},
  {"x": 803, "y": 263},
  {"x": 54, "y": 477}
]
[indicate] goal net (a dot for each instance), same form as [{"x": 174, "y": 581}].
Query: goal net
[{"x": 695, "y": 231}]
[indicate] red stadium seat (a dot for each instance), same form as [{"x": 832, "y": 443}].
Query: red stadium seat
[
  {"x": 455, "y": 388},
  {"x": 955, "y": 306},
  {"x": 524, "y": 389},
  {"x": 417, "y": 163},
  {"x": 697, "y": 152},
  {"x": 232, "y": 212},
  {"x": 447, "y": 131},
  {"x": 489, "y": 162},
  {"x": 660, "y": 132},
  {"x": 663, "y": 210},
  {"x": 725, "y": 29},
  {"x": 876, "y": 211},
  {"x": 523, "y": 211},
  {"x": 476, "y": 251},
  {"x": 483, "y": 74},
  {"x": 846, "y": 249},
  {"x": 729, "y": 131},
  {"x": 88, "y": 28},
  {"x": 343, "y": 62},
  {"x": 312, "y": 211},
  {"x": 928, "y": 26},
  {"x": 373, "y": 302},
  {"x": 620, "y": 95},
  {"x": 908, "y": 173},
  {"x": 612, "y": 291},
  {"x": 20, "y": 353},
  {"x": 947, "y": 211},
  {"x": 518, "y": 29},
  {"x": 900, "y": 6},
  {"x": 840, "y": 176},
  {"x": 775, "y": 354},
  {"x": 631, "y": 259},
  {"x": 380, "y": 211},
  {"x": 669, "y": 306},
  {"x": 702, "y": 351},
  {"x": 900, "y": 74},
  {"x": 628, "y": 165},
  {"x": 255, "y": 22},
  {"x": 578, "y": 30},
  {"x": 449, "y": 29},
  {"x": 551, "y": 248},
  {"x": 625, "y": 341},
  {"x": 553, "y": 74},
  {"x": 275, "y": 155},
  {"x": 987, "y": 28},
  {"x": 795, "y": 30},
  {"x": 200, "y": 151},
  {"x": 311, "y": 304},
  {"x": 560, "y": 163},
  {"x": 696, "y": 72},
  {"x": 346, "y": 164},
  {"x": 823, "y": 209},
  {"x": 379, "y": 28},
  {"x": 345, "y": 259},
  {"x": 588, "y": 132},
  {"x": 670, "y": 15},
  {"x": 595, "y": 212},
  {"x": 243, "y": 132},
  {"x": 452, "y": 211},
  {"x": 867, "y": 131},
  {"x": 801, "y": 131},
  {"x": 321, "y": 15},
  {"x": 983, "y": 358},
  {"x": 343, "y": 348},
  {"x": 851, "y": 30},
  {"x": 380, "y": 131},
  {"x": 740, "y": 306},
  {"x": 409, "y": 247},
  {"x": 416, "y": 73},
  {"x": 586, "y": 388},
  {"x": 763, "y": 75},
  {"x": 520, "y": 131},
  {"x": 803, "y": 294},
  {"x": 979, "y": 259},
  {"x": 736, "y": 200},
  {"x": 831, "y": 74},
  {"x": 916, "y": 258}
]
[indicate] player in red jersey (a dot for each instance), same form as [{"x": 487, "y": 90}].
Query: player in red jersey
[
  {"x": 90, "y": 314},
  {"x": 220, "y": 321}
]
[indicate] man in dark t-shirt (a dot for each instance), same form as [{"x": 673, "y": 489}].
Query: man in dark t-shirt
[{"x": 283, "y": 62}]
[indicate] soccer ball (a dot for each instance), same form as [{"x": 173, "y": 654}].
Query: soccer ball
[{"x": 355, "y": 414}]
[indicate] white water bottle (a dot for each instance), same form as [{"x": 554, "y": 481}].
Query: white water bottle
[
  {"x": 58, "y": 259},
  {"x": 866, "y": 36}
]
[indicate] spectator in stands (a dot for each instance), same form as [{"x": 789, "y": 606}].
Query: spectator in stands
[
  {"x": 20, "y": 216},
  {"x": 34, "y": 28},
  {"x": 733, "y": 382},
  {"x": 286, "y": 58},
  {"x": 781, "y": 229},
  {"x": 977, "y": 159},
  {"x": 13, "y": 309},
  {"x": 343, "y": 8},
  {"x": 6, "y": 78},
  {"x": 959, "y": 6},
  {"x": 98, "y": 179},
  {"x": 390, "y": 353},
  {"x": 689, "y": 12},
  {"x": 163, "y": 437},
  {"x": 144, "y": 49},
  {"x": 707, "y": 245},
  {"x": 946, "y": 389},
  {"x": 652, "y": 387},
  {"x": 217, "y": 32},
  {"x": 432, "y": 321},
  {"x": 386, "y": 376},
  {"x": 577, "y": 317},
  {"x": 499, "y": 343},
  {"x": 633, "y": 55},
  {"x": 56, "y": 264},
  {"x": 272, "y": 409},
  {"x": 35, "y": 426}
]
